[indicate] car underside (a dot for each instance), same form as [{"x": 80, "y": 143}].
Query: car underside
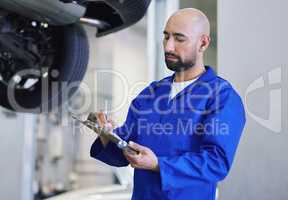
[{"x": 43, "y": 42}]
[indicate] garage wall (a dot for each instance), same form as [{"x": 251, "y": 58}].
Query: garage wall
[
  {"x": 17, "y": 147},
  {"x": 12, "y": 162},
  {"x": 117, "y": 71},
  {"x": 130, "y": 69},
  {"x": 252, "y": 48}
]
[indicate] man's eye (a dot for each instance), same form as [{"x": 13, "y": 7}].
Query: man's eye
[
  {"x": 166, "y": 37},
  {"x": 180, "y": 39}
]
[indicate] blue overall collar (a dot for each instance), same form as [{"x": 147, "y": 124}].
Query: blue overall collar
[
  {"x": 208, "y": 75},
  {"x": 163, "y": 87}
]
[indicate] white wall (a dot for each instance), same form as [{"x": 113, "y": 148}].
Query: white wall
[
  {"x": 252, "y": 48},
  {"x": 129, "y": 62},
  {"x": 17, "y": 148},
  {"x": 117, "y": 71}
]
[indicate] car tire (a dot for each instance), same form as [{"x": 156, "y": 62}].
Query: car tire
[{"x": 63, "y": 79}]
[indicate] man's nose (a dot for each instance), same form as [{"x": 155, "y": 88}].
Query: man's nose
[{"x": 169, "y": 46}]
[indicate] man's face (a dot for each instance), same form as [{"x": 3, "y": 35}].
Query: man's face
[{"x": 180, "y": 45}]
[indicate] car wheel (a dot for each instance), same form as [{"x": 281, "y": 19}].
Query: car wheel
[{"x": 40, "y": 66}]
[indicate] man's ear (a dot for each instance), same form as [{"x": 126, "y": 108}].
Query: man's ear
[{"x": 205, "y": 41}]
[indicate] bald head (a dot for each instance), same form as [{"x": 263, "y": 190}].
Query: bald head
[
  {"x": 186, "y": 37},
  {"x": 190, "y": 20}
]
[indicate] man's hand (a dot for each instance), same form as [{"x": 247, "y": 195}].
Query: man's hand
[
  {"x": 102, "y": 121},
  {"x": 146, "y": 159}
]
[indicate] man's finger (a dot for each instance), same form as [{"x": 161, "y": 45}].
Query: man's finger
[
  {"x": 131, "y": 156},
  {"x": 134, "y": 166},
  {"x": 101, "y": 118},
  {"x": 109, "y": 120},
  {"x": 133, "y": 159},
  {"x": 137, "y": 147}
]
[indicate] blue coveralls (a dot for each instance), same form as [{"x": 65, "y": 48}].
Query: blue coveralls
[{"x": 194, "y": 136}]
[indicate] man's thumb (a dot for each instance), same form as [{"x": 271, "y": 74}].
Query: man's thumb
[{"x": 136, "y": 146}]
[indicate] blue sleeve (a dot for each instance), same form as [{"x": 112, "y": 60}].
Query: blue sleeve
[
  {"x": 214, "y": 158},
  {"x": 111, "y": 154}
]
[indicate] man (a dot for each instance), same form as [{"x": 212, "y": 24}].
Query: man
[{"x": 185, "y": 127}]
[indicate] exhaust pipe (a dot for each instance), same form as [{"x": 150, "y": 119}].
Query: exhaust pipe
[{"x": 94, "y": 23}]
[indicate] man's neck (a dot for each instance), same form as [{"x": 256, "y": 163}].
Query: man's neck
[{"x": 189, "y": 74}]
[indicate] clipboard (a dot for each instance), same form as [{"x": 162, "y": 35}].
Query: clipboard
[{"x": 92, "y": 124}]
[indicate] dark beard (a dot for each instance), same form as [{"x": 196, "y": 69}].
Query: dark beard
[{"x": 179, "y": 65}]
